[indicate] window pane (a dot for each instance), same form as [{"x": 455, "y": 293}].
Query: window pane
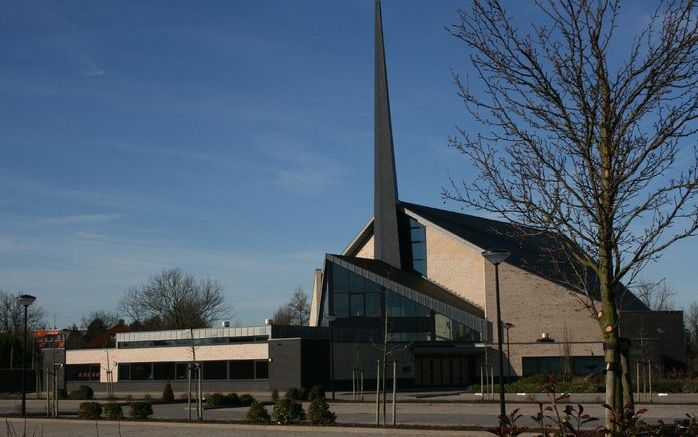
[
  {"x": 442, "y": 327},
  {"x": 357, "y": 305},
  {"x": 215, "y": 370},
  {"x": 421, "y": 311},
  {"x": 140, "y": 371},
  {"x": 420, "y": 265},
  {"x": 373, "y": 305},
  {"x": 356, "y": 283},
  {"x": 393, "y": 304},
  {"x": 340, "y": 279},
  {"x": 124, "y": 372},
  {"x": 261, "y": 369},
  {"x": 181, "y": 370},
  {"x": 242, "y": 369},
  {"x": 341, "y": 304},
  {"x": 163, "y": 371}
]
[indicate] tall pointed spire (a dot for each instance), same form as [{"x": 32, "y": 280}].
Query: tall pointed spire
[{"x": 385, "y": 225}]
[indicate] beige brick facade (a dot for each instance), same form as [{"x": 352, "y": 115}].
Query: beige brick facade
[{"x": 251, "y": 351}]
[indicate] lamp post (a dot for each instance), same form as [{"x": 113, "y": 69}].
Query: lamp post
[
  {"x": 508, "y": 326},
  {"x": 496, "y": 257},
  {"x": 25, "y": 300},
  {"x": 330, "y": 319}
]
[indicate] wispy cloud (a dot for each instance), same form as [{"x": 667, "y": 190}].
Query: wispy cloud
[{"x": 77, "y": 219}]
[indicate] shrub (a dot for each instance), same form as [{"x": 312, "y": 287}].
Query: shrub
[
  {"x": 83, "y": 393},
  {"x": 90, "y": 410},
  {"x": 275, "y": 395},
  {"x": 216, "y": 400},
  {"x": 287, "y": 411},
  {"x": 257, "y": 413},
  {"x": 141, "y": 410},
  {"x": 294, "y": 394},
  {"x": 233, "y": 398},
  {"x": 167, "y": 393},
  {"x": 246, "y": 400},
  {"x": 148, "y": 397},
  {"x": 316, "y": 392},
  {"x": 319, "y": 412},
  {"x": 112, "y": 411}
]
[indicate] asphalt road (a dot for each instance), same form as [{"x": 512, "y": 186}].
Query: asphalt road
[{"x": 424, "y": 413}]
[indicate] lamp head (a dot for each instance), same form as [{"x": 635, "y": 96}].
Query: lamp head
[
  {"x": 496, "y": 256},
  {"x": 26, "y": 299}
]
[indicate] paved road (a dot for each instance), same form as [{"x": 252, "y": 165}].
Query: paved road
[
  {"x": 425, "y": 413},
  {"x": 73, "y": 428}
]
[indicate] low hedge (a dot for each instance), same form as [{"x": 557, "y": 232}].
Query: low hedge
[
  {"x": 90, "y": 410},
  {"x": 113, "y": 411},
  {"x": 216, "y": 400},
  {"x": 141, "y": 410},
  {"x": 83, "y": 393}
]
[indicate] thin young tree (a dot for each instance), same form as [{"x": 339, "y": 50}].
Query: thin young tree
[
  {"x": 300, "y": 307},
  {"x": 592, "y": 146}
]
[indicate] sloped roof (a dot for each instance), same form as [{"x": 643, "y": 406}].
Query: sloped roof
[
  {"x": 531, "y": 249},
  {"x": 413, "y": 281}
]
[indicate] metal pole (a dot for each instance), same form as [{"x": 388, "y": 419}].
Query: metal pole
[
  {"x": 24, "y": 365},
  {"x": 189, "y": 390},
  {"x": 56, "y": 412},
  {"x": 394, "y": 390},
  {"x": 378, "y": 379},
  {"x": 649, "y": 368},
  {"x": 502, "y": 401},
  {"x": 362, "y": 384},
  {"x": 199, "y": 392},
  {"x": 332, "y": 360},
  {"x": 508, "y": 358},
  {"x": 353, "y": 384},
  {"x": 482, "y": 382}
]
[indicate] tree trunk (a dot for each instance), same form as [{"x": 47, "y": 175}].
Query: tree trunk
[{"x": 624, "y": 353}]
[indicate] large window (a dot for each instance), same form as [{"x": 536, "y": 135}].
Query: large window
[
  {"x": 359, "y": 304},
  {"x": 418, "y": 241},
  {"x": 168, "y": 371},
  {"x": 82, "y": 372}
]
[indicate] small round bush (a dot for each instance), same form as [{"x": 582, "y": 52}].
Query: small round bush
[
  {"x": 83, "y": 393},
  {"x": 275, "y": 395},
  {"x": 90, "y": 410},
  {"x": 316, "y": 392},
  {"x": 287, "y": 411},
  {"x": 167, "y": 393},
  {"x": 141, "y": 410},
  {"x": 294, "y": 394},
  {"x": 319, "y": 412},
  {"x": 233, "y": 399},
  {"x": 257, "y": 413},
  {"x": 112, "y": 411},
  {"x": 216, "y": 400},
  {"x": 246, "y": 400}
]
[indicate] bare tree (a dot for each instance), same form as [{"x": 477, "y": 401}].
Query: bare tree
[
  {"x": 12, "y": 322},
  {"x": 595, "y": 150},
  {"x": 300, "y": 307},
  {"x": 177, "y": 300},
  {"x": 283, "y": 315},
  {"x": 296, "y": 312},
  {"x": 658, "y": 296}
]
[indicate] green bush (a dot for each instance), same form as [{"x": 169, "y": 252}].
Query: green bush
[
  {"x": 90, "y": 410},
  {"x": 216, "y": 400},
  {"x": 233, "y": 398},
  {"x": 246, "y": 400},
  {"x": 316, "y": 392},
  {"x": 690, "y": 386},
  {"x": 668, "y": 386},
  {"x": 167, "y": 393},
  {"x": 319, "y": 412},
  {"x": 141, "y": 410},
  {"x": 275, "y": 395},
  {"x": 287, "y": 411},
  {"x": 112, "y": 411},
  {"x": 83, "y": 393},
  {"x": 294, "y": 393},
  {"x": 257, "y": 413}
]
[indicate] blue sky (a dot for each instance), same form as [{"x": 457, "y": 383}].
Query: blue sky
[{"x": 232, "y": 140}]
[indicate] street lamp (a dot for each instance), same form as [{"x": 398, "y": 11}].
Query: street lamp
[
  {"x": 508, "y": 326},
  {"x": 496, "y": 257},
  {"x": 25, "y": 300},
  {"x": 330, "y": 319}
]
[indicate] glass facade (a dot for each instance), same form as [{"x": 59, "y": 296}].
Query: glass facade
[
  {"x": 218, "y": 370},
  {"x": 418, "y": 242},
  {"x": 359, "y": 304},
  {"x": 581, "y": 365}
]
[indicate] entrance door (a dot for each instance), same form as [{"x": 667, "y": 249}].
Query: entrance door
[{"x": 441, "y": 371}]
